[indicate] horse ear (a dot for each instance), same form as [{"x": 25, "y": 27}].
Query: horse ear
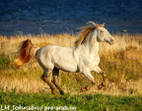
[
  {"x": 96, "y": 25},
  {"x": 103, "y": 24}
]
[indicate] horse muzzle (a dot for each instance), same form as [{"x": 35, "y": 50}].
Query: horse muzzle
[{"x": 111, "y": 42}]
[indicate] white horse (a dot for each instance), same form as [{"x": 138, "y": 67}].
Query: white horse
[{"x": 84, "y": 57}]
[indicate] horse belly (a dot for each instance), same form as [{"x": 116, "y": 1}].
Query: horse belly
[
  {"x": 65, "y": 63},
  {"x": 67, "y": 67}
]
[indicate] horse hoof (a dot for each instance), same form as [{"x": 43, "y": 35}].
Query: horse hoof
[
  {"x": 100, "y": 87},
  {"x": 82, "y": 90},
  {"x": 62, "y": 93},
  {"x": 53, "y": 92},
  {"x": 102, "y": 84}
]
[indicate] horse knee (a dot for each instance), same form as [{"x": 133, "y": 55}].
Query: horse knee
[
  {"x": 55, "y": 80},
  {"x": 43, "y": 77},
  {"x": 93, "y": 82},
  {"x": 46, "y": 74}
]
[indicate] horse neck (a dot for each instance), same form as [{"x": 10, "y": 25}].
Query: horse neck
[{"x": 93, "y": 44}]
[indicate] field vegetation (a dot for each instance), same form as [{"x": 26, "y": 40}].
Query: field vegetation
[
  {"x": 95, "y": 102},
  {"x": 122, "y": 63}
]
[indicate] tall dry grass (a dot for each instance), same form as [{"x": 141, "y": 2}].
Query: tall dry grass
[{"x": 121, "y": 61}]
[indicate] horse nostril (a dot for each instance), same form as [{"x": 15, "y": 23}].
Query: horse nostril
[{"x": 112, "y": 40}]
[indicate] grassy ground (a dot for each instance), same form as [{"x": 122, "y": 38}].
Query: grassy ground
[
  {"x": 122, "y": 63},
  {"x": 96, "y": 102}
]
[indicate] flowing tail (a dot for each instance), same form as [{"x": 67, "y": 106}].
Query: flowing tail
[{"x": 27, "y": 51}]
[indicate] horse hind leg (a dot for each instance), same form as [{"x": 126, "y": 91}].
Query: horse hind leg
[
  {"x": 44, "y": 78},
  {"x": 55, "y": 80}
]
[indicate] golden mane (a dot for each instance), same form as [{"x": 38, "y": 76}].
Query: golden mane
[{"x": 84, "y": 34}]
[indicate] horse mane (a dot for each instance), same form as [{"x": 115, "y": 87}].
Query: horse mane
[{"x": 84, "y": 34}]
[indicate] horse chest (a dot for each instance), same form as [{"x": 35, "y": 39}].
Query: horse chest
[{"x": 91, "y": 62}]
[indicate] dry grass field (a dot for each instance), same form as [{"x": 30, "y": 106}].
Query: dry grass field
[{"x": 122, "y": 63}]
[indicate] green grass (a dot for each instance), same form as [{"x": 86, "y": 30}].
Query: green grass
[{"x": 97, "y": 102}]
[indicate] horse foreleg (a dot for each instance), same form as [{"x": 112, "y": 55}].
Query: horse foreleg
[
  {"x": 55, "y": 80},
  {"x": 87, "y": 73},
  {"x": 87, "y": 87},
  {"x": 98, "y": 70},
  {"x": 44, "y": 78},
  {"x": 104, "y": 80}
]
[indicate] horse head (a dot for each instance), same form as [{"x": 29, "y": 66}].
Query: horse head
[{"x": 102, "y": 33}]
